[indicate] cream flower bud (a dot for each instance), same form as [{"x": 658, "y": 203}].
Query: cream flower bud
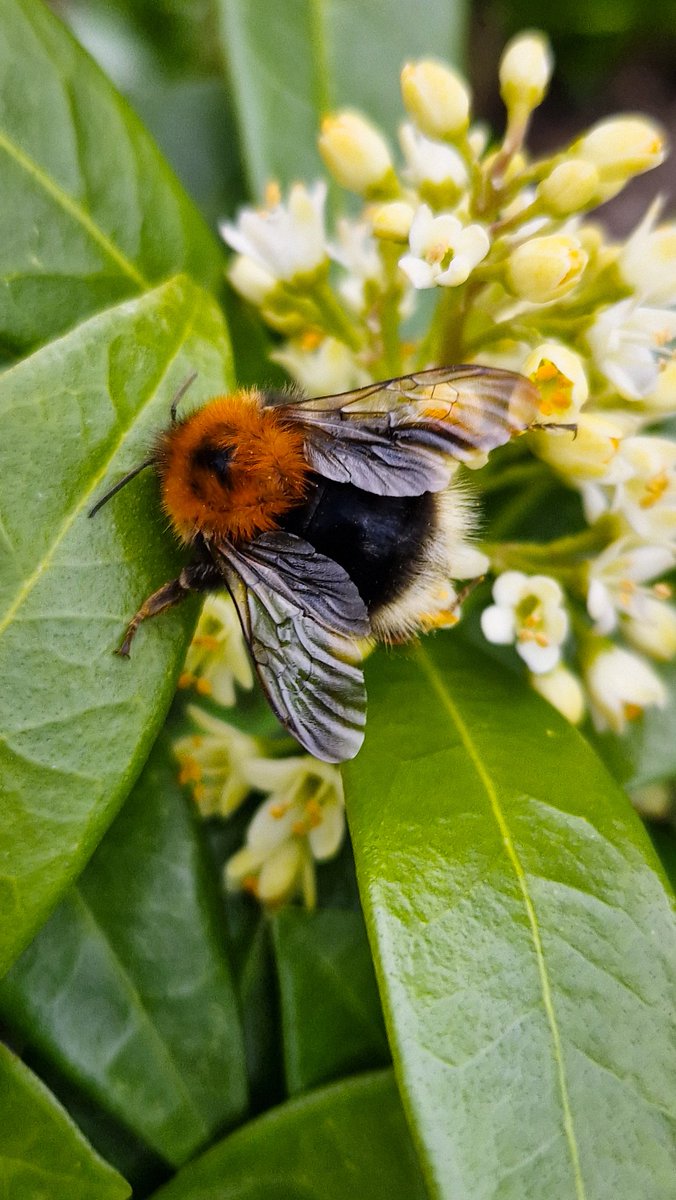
[
  {"x": 546, "y": 268},
  {"x": 436, "y": 97},
  {"x": 623, "y": 146},
  {"x": 356, "y": 153},
  {"x": 560, "y": 377},
  {"x": 572, "y": 186},
  {"x": 393, "y": 221},
  {"x": 251, "y": 280},
  {"x": 588, "y": 454},
  {"x": 652, "y": 628},
  {"x": 562, "y": 689},
  {"x": 525, "y": 71},
  {"x": 621, "y": 685}
]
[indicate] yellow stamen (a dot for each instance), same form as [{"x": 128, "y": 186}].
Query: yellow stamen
[
  {"x": 655, "y": 488},
  {"x": 277, "y": 811},
  {"x": 203, "y": 687},
  {"x": 273, "y": 194},
  {"x": 632, "y": 711},
  {"x": 311, "y": 339},
  {"x": 206, "y": 641},
  {"x": 185, "y": 680},
  {"x": 250, "y": 885},
  {"x": 663, "y": 591}
]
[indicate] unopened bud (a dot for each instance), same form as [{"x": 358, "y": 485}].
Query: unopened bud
[
  {"x": 622, "y": 146},
  {"x": 585, "y": 454},
  {"x": 436, "y": 97},
  {"x": 393, "y": 221},
  {"x": 525, "y": 71},
  {"x": 251, "y": 280},
  {"x": 545, "y": 268},
  {"x": 356, "y": 154},
  {"x": 572, "y": 186},
  {"x": 563, "y": 690}
]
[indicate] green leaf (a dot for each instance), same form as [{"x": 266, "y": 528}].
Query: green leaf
[
  {"x": 78, "y": 721},
  {"x": 289, "y": 65},
  {"x": 522, "y": 934},
  {"x": 331, "y": 1017},
  {"x": 347, "y": 1140},
  {"x": 43, "y": 1156},
  {"x": 126, "y": 989},
  {"x": 91, "y": 213}
]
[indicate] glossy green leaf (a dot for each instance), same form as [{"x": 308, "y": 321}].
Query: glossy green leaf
[
  {"x": 290, "y": 64},
  {"x": 127, "y": 990},
  {"x": 43, "y": 1156},
  {"x": 348, "y": 1140},
  {"x": 331, "y": 1018},
  {"x": 76, "y": 720},
  {"x": 91, "y": 213},
  {"x": 522, "y": 934}
]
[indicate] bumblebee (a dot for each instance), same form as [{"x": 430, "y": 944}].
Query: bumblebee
[{"x": 328, "y": 521}]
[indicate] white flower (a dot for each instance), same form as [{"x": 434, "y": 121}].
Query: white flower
[
  {"x": 217, "y": 658},
  {"x": 562, "y": 689},
  {"x": 529, "y": 611},
  {"x": 560, "y": 376},
  {"x": 647, "y": 261},
  {"x": 302, "y": 820},
  {"x": 651, "y": 623},
  {"x": 357, "y": 251},
  {"x": 628, "y": 342},
  {"x": 327, "y": 369},
  {"x": 614, "y": 579},
  {"x": 645, "y": 492},
  {"x": 214, "y": 762},
  {"x": 432, "y": 162},
  {"x": 285, "y": 240},
  {"x": 444, "y": 252},
  {"x": 621, "y": 685}
]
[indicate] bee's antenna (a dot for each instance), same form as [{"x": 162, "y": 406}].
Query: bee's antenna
[
  {"x": 180, "y": 394},
  {"x": 149, "y": 462}
]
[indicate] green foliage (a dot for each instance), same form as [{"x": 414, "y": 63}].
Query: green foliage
[
  {"x": 516, "y": 911},
  {"x": 42, "y": 1154},
  {"x": 349, "y": 1139},
  {"x": 531, "y": 939}
]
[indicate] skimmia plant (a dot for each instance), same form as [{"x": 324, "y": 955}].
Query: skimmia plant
[
  {"x": 471, "y": 996},
  {"x": 467, "y": 251}
]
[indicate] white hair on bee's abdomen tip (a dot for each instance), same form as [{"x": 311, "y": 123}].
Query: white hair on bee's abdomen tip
[{"x": 446, "y": 555}]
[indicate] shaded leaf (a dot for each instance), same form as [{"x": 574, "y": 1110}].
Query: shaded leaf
[
  {"x": 91, "y": 213},
  {"x": 345, "y": 1141},
  {"x": 331, "y": 1017},
  {"x": 126, "y": 988},
  {"x": 78, "y": 721},
  {"x": 42, "y": 1154},
  {"x": 522, "y": 935},
  {"x": 290, "y": 65}
]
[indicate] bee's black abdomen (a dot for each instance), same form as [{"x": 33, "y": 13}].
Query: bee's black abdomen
[{"x": 377, "y": 539}]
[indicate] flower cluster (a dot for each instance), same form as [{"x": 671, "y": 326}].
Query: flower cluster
[{"x": 465, "y": 250}]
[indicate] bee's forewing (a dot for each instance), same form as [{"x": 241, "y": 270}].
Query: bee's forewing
[
  {"x": 399, "y": 437},
  {"x": 301, "y": 615}
]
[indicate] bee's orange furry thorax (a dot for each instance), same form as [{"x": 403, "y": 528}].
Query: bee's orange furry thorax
[{"x": 231, "y": 469}]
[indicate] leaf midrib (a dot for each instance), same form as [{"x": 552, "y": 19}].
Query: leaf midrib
[
  {"x": 74, "y": 211},
  {"x": 438, "y": 685}
]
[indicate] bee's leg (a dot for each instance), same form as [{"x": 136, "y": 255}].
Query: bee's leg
[{"x": 199, "y": 576}]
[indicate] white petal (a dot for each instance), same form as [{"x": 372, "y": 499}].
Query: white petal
[
  {"x": 539, "y": 659},
  {"x": 497, "y": 625},
  {"x": 326, "y": 838},
  {"x": 419, "y": 272}
]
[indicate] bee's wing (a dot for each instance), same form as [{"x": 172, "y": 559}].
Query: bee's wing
[
  {"x": 397, "y": 438},
  {"x": 301, "y": 615}
]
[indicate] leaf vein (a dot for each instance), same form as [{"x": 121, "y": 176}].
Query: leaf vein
[{"x": 438, "y": 686}]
